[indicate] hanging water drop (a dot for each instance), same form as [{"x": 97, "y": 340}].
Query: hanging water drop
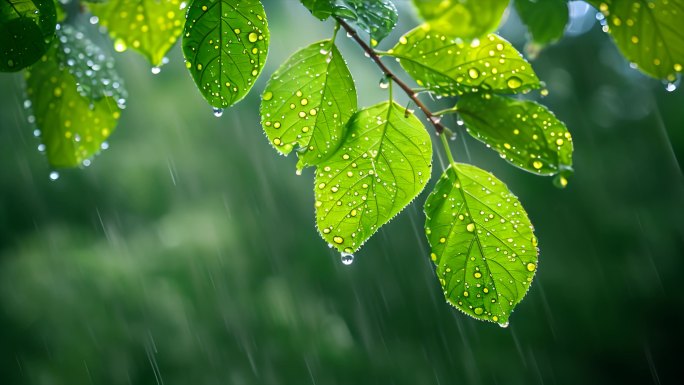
[
  {"x": 155, "y": 70},
  {"x": 54, "y": 175},
  {"x": 384, "y": 83},
  {"x": 218, "y": 112},
  {"x": 504, "y": 325},
  {"x": 347, "y": 258}
]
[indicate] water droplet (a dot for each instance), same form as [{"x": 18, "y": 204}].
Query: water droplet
[
  {"x": 155, "y": 70},
  {"x": 54, "y": 175},
  {"x": 218, "y": 112},
  {"x": 347, "y": 258},
  {"x": 504, "y": 325},
  {"x": 514, "y": 82},
  {"x": 120, "y": 45},
  {"x": 384, "y": 83},
  {"x": 268, "y": 96}
]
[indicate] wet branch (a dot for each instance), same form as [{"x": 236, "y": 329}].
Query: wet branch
[{"x": 433, "y": 118}]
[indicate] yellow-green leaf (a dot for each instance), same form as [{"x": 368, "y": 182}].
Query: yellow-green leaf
[
  {"x": 525, "y": 133},
  {"x": 383, "y": 164},
  {"x": 466, "y": 19},
  {"x": 225, "y": 46},
  {"x": 308, "y": 101},
  {"x": 448, "y": 66},
  {"x": 648, "y": 33},
  {"x": 150, "y": 27},
  {"x": 482, "y": 241}
]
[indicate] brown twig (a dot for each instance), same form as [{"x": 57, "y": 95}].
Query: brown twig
[{"x": 434, "y": 119}]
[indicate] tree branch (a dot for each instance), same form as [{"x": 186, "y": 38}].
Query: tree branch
[{"x": 434, "y": 119}]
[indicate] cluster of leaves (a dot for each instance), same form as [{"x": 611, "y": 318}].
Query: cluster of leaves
[{"x": 370, "y": 162}]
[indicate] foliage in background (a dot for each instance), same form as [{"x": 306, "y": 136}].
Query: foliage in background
[{"x": 371, "y": 162}]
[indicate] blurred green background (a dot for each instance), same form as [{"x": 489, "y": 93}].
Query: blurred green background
[{"x": 187, "y": 253}]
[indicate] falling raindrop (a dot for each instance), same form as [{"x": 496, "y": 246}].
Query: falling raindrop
[
  {"x": 347, "y": 258},
  {"x": 218, "y": 112}
]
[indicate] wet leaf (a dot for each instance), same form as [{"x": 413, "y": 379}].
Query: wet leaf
[
  {"x": 321, "y": 9},
  {"x": 545, "y": 20},
  {"x": 382, "y": 165},
  {"x": 648, "y": 33},
  {"x": 225, "y": 46},
  {"x": 482, "y": 243},
  {"x": 150, "y": 27},
  {"x": 26, "y": 30},
  {"x": 72, "y": 126},
  {"x": 466, "y": 19},
  {"x": 377, "y": 17},
  {"x": 308, "y": 101},
  {"x": 448, "y": 66},
  {"x": 525, "y": 133}
]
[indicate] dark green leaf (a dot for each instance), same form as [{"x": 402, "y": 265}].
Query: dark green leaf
[
  {"x": 72, "y": 126},
  {"x": 524, "y": 133},
  {"x": 545, "y": 19},
  {"x": 225, "y": 46},
  {"x": 377, "y": 17},
  {"x": 321, "y": 9},
  {"x": 26, "y": 29},
  {"x": 382, "y": 165},
  {"x": 448, "y": 66},
  {"x": 482, "y": 242},
  {"x": 150, "y": 27},
  {"x": 466, "y": 19},
  {"x": 648, "y": 33},
  {"x": 308, "y": 101}
]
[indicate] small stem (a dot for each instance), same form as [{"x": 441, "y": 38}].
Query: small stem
[
  {"x": 451, "y": 110},
  {"x": 447, "y": 150},
  {"x": 439, "y": 127},
  {"x": 337, "y": 28}
]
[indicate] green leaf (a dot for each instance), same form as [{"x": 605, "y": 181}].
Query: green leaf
[
  {"x": 648, "y": 33},
  {"x": 321, "y": 9},
  {"x": 546, "y": 20},
  {"x": 482, "y": 243},
  {"x": 449, "y": 67},
  {"x": 377, "y": 17},
  {"x": 26, "y": 29},
  {"x": 73, "y": 126},
  {"x": 525, "y": 133},
  {"x": 466, "y": 19},
  {"x": 225, "y": 46},
  {"x": 382, "y": 165},
  {"x": 150, "y": 27},
  {"x": 308, "y": 101}
]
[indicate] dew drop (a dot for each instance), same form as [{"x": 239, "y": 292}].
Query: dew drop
[
  {"x": 504, "y": 325},
  {"x": 347, "y": 258},
  {"x": 54, "y": 175},
  {"x": 155, "y": 70},
  {"x": 218, "y": 112}
]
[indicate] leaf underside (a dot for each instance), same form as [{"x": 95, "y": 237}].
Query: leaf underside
[
  {"x": 26, "y": 30},
  {"x": 648, "y": 33},
  {"x": 225, "y": 46},
  {"x": 150, "y": 27},
  {"x": 482, "y": 243},
  {"x": 377, "y": 17},
  {"x": 307, "y": 103},
  {"x": 466, "y": 19},
  {"x": 545, "y": 20},
  {"x": 524, "y": 133},
  {"x": 449, "y": 67},
  {"x": 382, "y": 165}
]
